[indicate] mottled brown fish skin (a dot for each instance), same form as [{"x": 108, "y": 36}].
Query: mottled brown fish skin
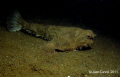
[
  {"x": 69, "y": 39},
  {"x": 58, "y": 37}
]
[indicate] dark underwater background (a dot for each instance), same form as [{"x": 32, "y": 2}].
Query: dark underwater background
[{"x": 103, "y": 15}]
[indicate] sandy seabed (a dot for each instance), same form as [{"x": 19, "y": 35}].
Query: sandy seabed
[{"x": 21, "y": 56}]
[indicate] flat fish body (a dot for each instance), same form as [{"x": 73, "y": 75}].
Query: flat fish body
[{"x": 58, "y": 37}]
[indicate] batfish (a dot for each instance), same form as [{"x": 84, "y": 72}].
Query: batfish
[{"x": 59, "y": 38}]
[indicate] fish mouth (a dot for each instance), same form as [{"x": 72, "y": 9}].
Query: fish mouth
[
  {"x": 90, "y": 38},
  {"x": 84, "y": 48}
]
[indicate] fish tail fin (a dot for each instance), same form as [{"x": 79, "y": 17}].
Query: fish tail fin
[{"x": 14, "y": 22}]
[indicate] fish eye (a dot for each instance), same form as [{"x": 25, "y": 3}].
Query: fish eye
[{"x": 88, "y": 36}]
